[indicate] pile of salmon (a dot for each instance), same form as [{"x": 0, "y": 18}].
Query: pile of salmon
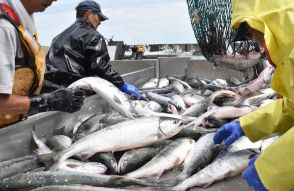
[{"x": 162, "y": 142}]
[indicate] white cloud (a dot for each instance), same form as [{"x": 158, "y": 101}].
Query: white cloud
[{"x": 133, "y": 21}]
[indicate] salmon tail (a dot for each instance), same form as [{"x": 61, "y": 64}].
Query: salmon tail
[
  {"x": 47, "y": 157},
  {"x": 206, "y": 185},
  {"x": 44, "y": 154}
]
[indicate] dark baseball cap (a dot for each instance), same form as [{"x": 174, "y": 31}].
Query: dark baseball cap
[
  {"x": 243, "y": 33},
  {"x": 92, "y": 6}
]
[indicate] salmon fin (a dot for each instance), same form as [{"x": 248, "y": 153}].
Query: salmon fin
[
  {"x": 34, "y": 136},
  {"x": 107, "y": 117},
  {"x": 158, "y": 175},
  {"x": 84, "y": 156},
  {"x": 206, "y": 185},
  {"x": 47, "y": 159}
]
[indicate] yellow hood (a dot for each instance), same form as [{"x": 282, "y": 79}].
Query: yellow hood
[{"x": 274, "y": 18}]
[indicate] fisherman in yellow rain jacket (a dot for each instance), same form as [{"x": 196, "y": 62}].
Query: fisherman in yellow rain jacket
[{"x": 271, "y": 24}]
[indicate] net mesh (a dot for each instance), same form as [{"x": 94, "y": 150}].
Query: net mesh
[{"x": 210, "y": 21}]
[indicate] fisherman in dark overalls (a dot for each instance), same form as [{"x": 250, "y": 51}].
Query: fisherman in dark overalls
[{"x": 80, "y": 51}]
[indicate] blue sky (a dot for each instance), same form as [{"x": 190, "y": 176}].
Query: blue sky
[{"x": 133, "y": 21}]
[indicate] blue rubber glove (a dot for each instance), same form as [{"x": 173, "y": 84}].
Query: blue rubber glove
[
  {"x": 230, "y": 132},
  {"x": 252, "y": 178},
  {"x": 130, "y": 90}
]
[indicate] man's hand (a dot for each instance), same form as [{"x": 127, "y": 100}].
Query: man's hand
[
  {"x": 252, "y": 178},
  {"x": 64, "y": 99},
  {"x": 230, "y": 132},
  {"x": 130, "y": 90}
]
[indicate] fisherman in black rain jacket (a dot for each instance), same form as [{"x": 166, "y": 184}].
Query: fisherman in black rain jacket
[{"x": 80, "y": 51}]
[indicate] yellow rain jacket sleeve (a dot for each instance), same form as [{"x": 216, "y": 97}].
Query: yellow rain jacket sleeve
[{"x": 276, "y": 20}]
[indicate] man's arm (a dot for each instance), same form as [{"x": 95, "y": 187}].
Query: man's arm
[{"x": 14, "y": 104}]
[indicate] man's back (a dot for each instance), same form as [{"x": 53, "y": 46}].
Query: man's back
[{"x": 69, "y": 54}]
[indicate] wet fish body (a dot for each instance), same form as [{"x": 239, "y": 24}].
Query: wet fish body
[
  {"x": 114, "y": 138},
  {"x": 90, "y": 125},
  {"x": 79, "y": 166},
  {"x": 76, "y": 188},
  {"x": 39, "y": 179},
  {"x": 227, "y": 165},
  {"x": 171, "y": 156},
  {"x": 197, "y": 109},
  {"x": 179, "y": 101},
  {"x": 90, "y": 188},
  {"x": 185, "y": 84},
  {"x": 195, "y": 124},
  {"x": 108, "y": 159},
  {"x": 244, "y": 143},
  {"x": 163, "y": 82},
  {"x": 18, "y": 165},
  {"x": 152, "y": 83},
  {"x": 153, "y": 106},
  {"x": 230, "y": 112},
  {"x": 178, "y": 87},
  {"x": 108, "y": 92},
  {"x": 192, "y": 99},
  {"x": 257, "y": 100},
  {"x": 201, "y": 107},
  {"x": 160, "y": 99},
  {"x": 200, "y": 155},
  {"x": 59, "y": 142},
  {"x": 135, "y": 158}
]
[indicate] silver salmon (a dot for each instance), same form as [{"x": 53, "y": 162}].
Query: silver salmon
[
  {"x": 18, "y": 165},
  {"x": 135, "y": 158},
  {"x": 138, "y": 133},
  {"x": 108, "y": 92},
  {"x": 33, "y": 180},
  {"x": 200, "y": 155},
  {"x": 227, "y": 165},
  {"x": 171, "y": 156},
  {"x": 79, "y": 166}
]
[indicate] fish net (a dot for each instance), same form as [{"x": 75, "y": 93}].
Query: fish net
[{"x": 210, "y": 21}]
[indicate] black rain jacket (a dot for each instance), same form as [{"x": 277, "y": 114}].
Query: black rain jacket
[{"x": 79, "y": 51}]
